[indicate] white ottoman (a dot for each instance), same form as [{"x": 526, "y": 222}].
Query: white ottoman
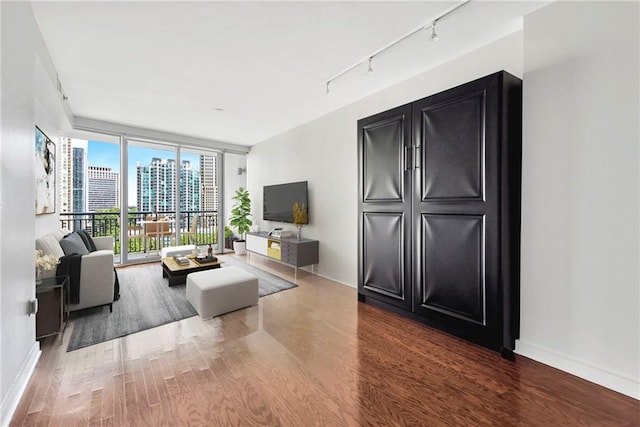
[
  {"x": 170, "y": 251},
  {"x": 221, "y": 290}
]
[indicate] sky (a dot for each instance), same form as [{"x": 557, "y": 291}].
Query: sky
[{"x": 108, "y": 154}]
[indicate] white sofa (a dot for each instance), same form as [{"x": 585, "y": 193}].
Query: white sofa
[{"x": 96, "y": 272}]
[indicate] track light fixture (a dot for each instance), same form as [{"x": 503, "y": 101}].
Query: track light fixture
[{"x": 433, "y": 36}]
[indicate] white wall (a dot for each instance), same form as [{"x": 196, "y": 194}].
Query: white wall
[
  {"x": 27, "y": 94},
  {"x": 580, "y": 222},
  {"x": 324, "y": 152},
  {"x": 232, "y": 181}
]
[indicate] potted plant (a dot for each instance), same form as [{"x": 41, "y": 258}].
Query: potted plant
[
  {"x": 228, "y": 237},
  {"x": 239, "y": 218},
  {"x": 300, "y": 217}
]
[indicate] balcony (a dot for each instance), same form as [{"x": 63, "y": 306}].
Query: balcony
[{"x": 203, "y": 232}]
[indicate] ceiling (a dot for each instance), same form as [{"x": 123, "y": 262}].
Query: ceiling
[{"x": 242, "y": 72}]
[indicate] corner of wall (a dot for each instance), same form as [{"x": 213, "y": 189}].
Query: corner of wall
[
  {"x": 580, "y": 296},
  {"x": 579, "y": 368}
]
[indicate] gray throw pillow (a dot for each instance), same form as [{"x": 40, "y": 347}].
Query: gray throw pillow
[{"x": 73, "y": 244}]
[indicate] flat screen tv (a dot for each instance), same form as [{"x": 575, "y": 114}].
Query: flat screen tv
[{"x": 278, "y": 200}]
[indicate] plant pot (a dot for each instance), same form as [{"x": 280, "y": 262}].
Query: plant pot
[{"x": 240, "y": 247}]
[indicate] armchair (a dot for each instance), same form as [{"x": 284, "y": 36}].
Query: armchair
[{"x": 97, "y": 276}]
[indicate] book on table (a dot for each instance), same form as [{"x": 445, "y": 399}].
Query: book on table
[{"x": 181, "y": 260}]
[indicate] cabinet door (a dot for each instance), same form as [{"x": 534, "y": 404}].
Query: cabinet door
[
  {"x": 455, "y": 217},
  {"x": 257, "y": 244},
  {"x": 384, "y": 255},
  {"x": 49, "y": 315}
]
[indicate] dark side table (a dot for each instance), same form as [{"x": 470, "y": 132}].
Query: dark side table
[{"x": 53, "y": 308}]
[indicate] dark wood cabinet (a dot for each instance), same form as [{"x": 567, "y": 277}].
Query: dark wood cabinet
[
  {"x": 53, "y": 310},
  {"x": 385, "y": 207},
  {"x": 440, "y": 210}
]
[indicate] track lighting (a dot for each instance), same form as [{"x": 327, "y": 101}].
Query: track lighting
[
  {"x": 429, "y": 25},
  {"x": 433, "y": 37}
]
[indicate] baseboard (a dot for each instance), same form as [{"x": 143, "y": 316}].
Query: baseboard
[
  {"x": 335, "y": 280},
  {"x": 610, "y": 380},
  {"x": 19, "y": 385}
]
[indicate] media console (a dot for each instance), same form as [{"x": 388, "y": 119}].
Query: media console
[{"x": 290, "y": 251}]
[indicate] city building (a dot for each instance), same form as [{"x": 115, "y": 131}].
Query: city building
[
  {"x": 156, "y": 186},
  {"x": 104, "y": 188},
  {"x": 189, "y": 187},
  {"x": 73, "y": 174},
  {"x": 208, "y": 183}
]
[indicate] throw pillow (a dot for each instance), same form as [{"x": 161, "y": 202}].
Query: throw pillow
[
  {"x": 88, "y": 241},
  {"x": 73, "y": 244}
]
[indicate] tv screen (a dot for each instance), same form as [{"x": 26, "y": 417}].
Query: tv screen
[{"x": 278, "y": 200}]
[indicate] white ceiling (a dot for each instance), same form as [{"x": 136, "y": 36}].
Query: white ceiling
[{"x": 167, "y": 66}]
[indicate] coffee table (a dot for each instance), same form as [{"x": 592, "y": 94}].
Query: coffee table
[{"x": 177, "y": 274}]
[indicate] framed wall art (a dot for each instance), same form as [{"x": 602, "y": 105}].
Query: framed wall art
[{"x": 45, "y": 174}]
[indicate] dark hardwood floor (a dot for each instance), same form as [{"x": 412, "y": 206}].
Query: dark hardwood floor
[{"x": 308, "y": 356}]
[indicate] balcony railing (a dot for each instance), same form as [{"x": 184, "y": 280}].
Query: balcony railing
[{"x": 204, "y": 231}]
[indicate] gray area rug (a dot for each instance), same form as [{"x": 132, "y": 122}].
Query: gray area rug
[
  {"x": 269, "y": 283},
  {"x": 146, "y": 301}
]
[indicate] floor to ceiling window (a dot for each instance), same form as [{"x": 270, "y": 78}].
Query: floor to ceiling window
[
  {"x": 164, "y": 194},
  {"x": 89, "y": 186},
  {"x": 199, "y": 197},
  {"x": 151, "y": 199}
]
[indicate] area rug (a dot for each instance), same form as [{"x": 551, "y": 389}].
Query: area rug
[{"x": 146, "y": 301}]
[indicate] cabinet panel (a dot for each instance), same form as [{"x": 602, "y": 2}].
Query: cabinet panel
[
  {"x": 256, "y": 244},
  {"x": 383, "y": 151},
  {"x": 49, "y": 315},
  {"x": 384, "y": 256},
  {"x": 453, "y": 148},
  {"x": 384, "y": 208},
  {"x": 456, "y": 210},
  {"x": 453, "y": 273},
  {"x": 306, "y": 253}
]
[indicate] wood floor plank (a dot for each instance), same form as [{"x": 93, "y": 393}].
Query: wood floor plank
[
  {"x": 307, "y": 356},
  {"x": 132, "y": 416},
  {"x": 95, "y": 415},
  {"x": 119, "y": 401}
]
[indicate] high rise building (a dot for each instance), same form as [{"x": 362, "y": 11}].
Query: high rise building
[
  {"x": 208, "y": 183},
  {"x": 73, "y": 175},
  {"x": 156, "y": 186},
  {"x": 189, "y": 187},
  {"x": 79, "y": 180},
  {"x": 64, "y": 175},
  {"x": 104, "y": 188}
]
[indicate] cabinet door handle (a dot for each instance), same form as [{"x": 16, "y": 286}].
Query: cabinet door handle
[
  {"x": 407, "y": 164},
  {"x": 416, "y": 157}
]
